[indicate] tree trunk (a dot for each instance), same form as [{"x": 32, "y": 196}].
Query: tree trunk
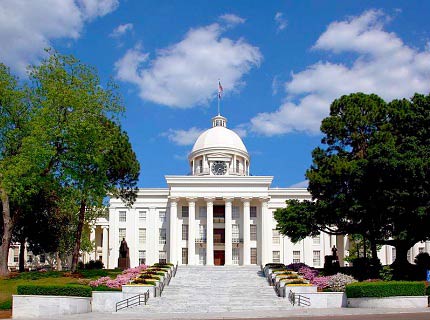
[
  {"x": 374, "y": 249},
  {"x": 22, "y": 255},
  {"x": 364, "y": 248},
  {"x": 59, "y": 262},
  {"x": 401, "y": 255},
  {"x": 78, "y": 236},
  {"x": 7, "y": 234}
]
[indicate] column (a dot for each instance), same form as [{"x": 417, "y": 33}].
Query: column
[
  {"x": 173, "y": 216},
  {"x": 93, "y": 255},
  {"x": 246, "y": 232},
  {"x": 266, "y": 230},
  {"x": 191, "y": 231},
  {"x": 209, "y": 232},
  {"x": 427, "y": 246},
  {"x": 105, "y": 246},
  {"x": 228, "y": 232}
]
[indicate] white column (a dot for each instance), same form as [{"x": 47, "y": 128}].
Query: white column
[
  {"x": 266, "y": 232},
  {"x": 93, "y": 255},
  {"x": 191, "y": 231},
  {"x": 228, "y": 232},
  {"x": 105, "y": 246},
  {"x": 246, "y": 232},
  {"x": 173, "y": 216},
  {"x": 427, "y": 246},
  {"x": 209, "y": 232}
]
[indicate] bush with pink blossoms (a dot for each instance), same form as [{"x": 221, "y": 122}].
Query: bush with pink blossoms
[
  {"x": 308, "y": 273},
  {"x": 321, "y": 282},
  {"x": 124, "y": 278}
]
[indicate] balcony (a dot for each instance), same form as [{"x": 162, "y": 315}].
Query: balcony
[
  {"x": 237, "y": 240},
  {"x": 200, "y": 240},
  {"x": 218, "y": 240},
  {"x": 219, "y": 220}
]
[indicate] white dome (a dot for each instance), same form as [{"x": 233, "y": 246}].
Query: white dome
[{"x": 219, "y": 137}]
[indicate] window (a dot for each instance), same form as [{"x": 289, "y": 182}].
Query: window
[
  {"x": 201, "y": 166},
  {"x": 275, "y": 236},
  {"x": 393, "y": 254},
  {"x": 185, "y": 210},
  {"x": 235, "y": 233},
  {"x": 235, "y": 254},
  {"x": 317, "y": 239},
  {"x": 420, "y": 249},
  {"x": 276, "y": 256},
  {"x": 317, "y": 258},
  {"x": 142, "y": 257},
  {"x": 162, "y": 257},
  {"x": 42, "y": 258},
  {"x": 235, "y": 214},
  {"x": 296, "y": 256},
  {"x": 237, "y": 166},
  {"x": 202, "y": 232},
  {"x": 253, "y": 255},
  {"x": 162, "y": 239},
  {"x": 142, "y": 236},
  {"x": 202, "y": 212},
  {"x": 202, "y": 256},
  {"x": 185, "y": 232},
  {"x": 162, "y": 215},
  {"x": 253, "y": 212},
  {"x": 16, "y": 256},
  {"x": 184, "y": 255},
  {"x": 30, "y": 258},
  {"x": 122, "y": 216},
  {"x": 253, "y": 232},
  {"x": 122, "y": 234},
  {"x": 409, "y": 255},
  {"x": 142, "y": 216}
]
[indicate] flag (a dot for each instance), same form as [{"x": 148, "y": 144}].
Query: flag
[{"x": 220, "y": 90}]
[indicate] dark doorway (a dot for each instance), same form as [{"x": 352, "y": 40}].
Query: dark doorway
[
  {"x": 219, "y": 235},
  {"x": 219, "y": 257},
  {"x": 219, "y": 214}
]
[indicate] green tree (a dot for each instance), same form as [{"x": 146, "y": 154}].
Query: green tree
[{"x": 371, "y": 177}]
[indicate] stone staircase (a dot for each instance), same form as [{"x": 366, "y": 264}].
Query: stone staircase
[{"x": 204, "y": 289}]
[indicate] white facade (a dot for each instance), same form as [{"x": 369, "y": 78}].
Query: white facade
[{"x": 217, "y": 215}]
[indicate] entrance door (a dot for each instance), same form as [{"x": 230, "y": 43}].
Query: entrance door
[{"x": 219, "y": 257}]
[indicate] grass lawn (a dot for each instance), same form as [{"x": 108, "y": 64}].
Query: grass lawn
[{"x": 8, "y": 285}]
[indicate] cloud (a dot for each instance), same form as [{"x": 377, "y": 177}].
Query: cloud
[
  {"x": 301, "y": 184},
  {"x": 383, "y": 64},
  {"x": 232, "y": 19},
  {"x": 183, "y": 137},
  {"x": 281, "y": 22},
  {"x": 121, "y": 30},
  {"x": 27, "y": 27},
  {"x": 185, "y": 74}
]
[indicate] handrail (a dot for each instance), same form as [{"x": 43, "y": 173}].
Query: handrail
[
  {"x": 299, "y": 299},
  {"x": 132, "y": 301},
  {"x": 175, "y": 269}
]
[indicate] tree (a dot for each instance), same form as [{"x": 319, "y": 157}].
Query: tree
[
  {"x": 371, "y": 178},
  {"x": 89, "y": 155}
]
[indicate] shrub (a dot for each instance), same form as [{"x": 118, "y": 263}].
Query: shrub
[
  {"x": 422, "y": 260},
  {"x": 339, "y": 281},
  {"x": 296, "y": 266},
  {"x": 35, "y": 275},
  {"x": 428, "y": 291},
  {"x": 365, "y": 268},
  {"x": 297, "y": 281},
  {"x": 95, "y": 273},
  {"x": 386, "y": 273},
  {"x": 308, "y": 273},
  {"x": 275, "y": 265},
  {"x": 321, "y": 282},
  {"x": 104, "y": 288},
  {"x": 385, "y": 289},
  {"x": 58, "y": 290},
  {"x": 6, "y": 305},
  {"x": 144, "y": 281}
]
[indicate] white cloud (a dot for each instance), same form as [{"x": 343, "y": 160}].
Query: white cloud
[
  {"x": 186, "y": 73},
  {"x": 232, "y": 19},
  {"x": 27, "y": 27},
  {"x": 121, "y": 30},
  {"x": 301, "y": 184},
  {"x": 183, "y": 137},
  {"x": 384, "y": 65},
  {"x": 281, "y": 22}
]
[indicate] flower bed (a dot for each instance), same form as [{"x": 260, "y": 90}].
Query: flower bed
[{"x": 124, "y": 278}]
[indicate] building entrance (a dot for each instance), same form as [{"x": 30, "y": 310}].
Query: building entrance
[{"x": 219, "y": 257}]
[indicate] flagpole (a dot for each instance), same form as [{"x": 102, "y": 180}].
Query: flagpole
[{"x": 218, "y": 103}]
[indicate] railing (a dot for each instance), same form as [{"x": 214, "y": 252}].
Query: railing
[
  {"x": 161, "y": 288},
  {"x": 280, "y": 291},
  {"x": 299, "y": 299},
  {"x": 237, "y": 172},
  {"x": 133, "y": 301},
  {"x": 219, "y": 240},
  {"x": 175, "y": 269},
  {"x": 200, "y": 240},
  {"x": 219, "y": 220},
  {"x": 236, "y": 240}
]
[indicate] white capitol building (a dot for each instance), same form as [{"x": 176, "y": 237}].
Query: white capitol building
[{"x": 217, "y": 215}]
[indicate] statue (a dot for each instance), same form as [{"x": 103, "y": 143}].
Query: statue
[
  {"x": 124, "y": 256},
  {"x": 334, "y": 252},
  {"x": 123, "y": 249}
]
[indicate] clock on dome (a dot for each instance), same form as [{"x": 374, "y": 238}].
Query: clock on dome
[{"x": 219, "y": 168}]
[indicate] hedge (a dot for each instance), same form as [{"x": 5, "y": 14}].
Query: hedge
[
  {"x": 58, "y": 290},
  {"x": 105, "y": 288},
  {"x": 385, "y": 289}
]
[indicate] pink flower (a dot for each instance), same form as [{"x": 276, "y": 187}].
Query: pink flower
[{"x": 321, "y": 282}]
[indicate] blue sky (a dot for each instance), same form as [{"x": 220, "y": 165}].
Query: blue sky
[{"x": 281, "y": 63}]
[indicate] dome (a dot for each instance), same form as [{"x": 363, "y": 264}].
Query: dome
[{"x": 219, "y": 137}]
